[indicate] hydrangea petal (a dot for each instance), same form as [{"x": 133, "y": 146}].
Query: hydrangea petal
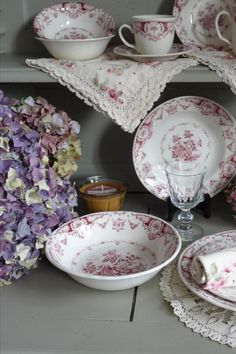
[
  {"x": 32, "y": 197},
  {"x": 4, "y": 144},
  {"x": 12, "y": 181}
]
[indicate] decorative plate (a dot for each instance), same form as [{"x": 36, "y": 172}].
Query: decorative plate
[
  {"x": 195, "y": 24},
  {"x": 188, "y": 128},
  {"x": 73, "y": 20},
  {"x": 207, "y": 244},
  {"x": 176, "y": 51}
]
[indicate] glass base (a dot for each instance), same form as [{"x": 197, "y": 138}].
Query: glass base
[{"x": 193, "y": 234}]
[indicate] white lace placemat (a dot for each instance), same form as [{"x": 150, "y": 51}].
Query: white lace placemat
[
  {"x": 202, "y": 317},
  {"x": 223, "y": 63},
  {"x": 123, "y": 89}
]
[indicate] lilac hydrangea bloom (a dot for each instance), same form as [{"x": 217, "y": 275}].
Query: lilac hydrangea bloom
[{"x": 39, "y": 149}]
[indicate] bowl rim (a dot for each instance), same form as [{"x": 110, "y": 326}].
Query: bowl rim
[
  {"x": 94, "y": 39},
  {"x": 71, "y": 3},
  {"x": 121, "y": 277}
]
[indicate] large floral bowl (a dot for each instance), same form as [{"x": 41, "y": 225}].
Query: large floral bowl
[
  {"x": 73, "y": 20},
  {"x": 76, "y": 49},
  {"x": 113, "y": 250}
]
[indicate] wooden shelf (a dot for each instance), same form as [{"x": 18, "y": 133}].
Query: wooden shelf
[{"x": 14, "y": 70}]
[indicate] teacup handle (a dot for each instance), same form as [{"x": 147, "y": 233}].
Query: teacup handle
[
  {"x": 122, "y": 37},
  {"x": 217, "y": 27}
]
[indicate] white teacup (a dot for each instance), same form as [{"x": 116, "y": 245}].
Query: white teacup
[
  {"x": 232, "y": 17},
  {"x": 153, "y": 34}
]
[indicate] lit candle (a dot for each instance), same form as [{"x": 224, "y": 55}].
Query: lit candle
[{"x": 102, "y": 194}]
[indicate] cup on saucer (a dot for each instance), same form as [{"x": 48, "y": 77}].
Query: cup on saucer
[{"x": 153, "y": 34}]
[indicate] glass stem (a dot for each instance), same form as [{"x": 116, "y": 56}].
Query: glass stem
[{"x": 185, "y": 219}]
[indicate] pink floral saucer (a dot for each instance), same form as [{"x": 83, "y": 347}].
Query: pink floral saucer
[
  {"x": 188, "y": 128},
  {"x": 207, "y": 244},
  {"x": 130, "y": 53}
]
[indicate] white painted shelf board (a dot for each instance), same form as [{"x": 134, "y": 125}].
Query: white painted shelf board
[{"x": 14, "y": 70}]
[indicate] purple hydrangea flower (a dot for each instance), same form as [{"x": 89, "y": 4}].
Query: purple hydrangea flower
[{"x": 39, "y": 149}]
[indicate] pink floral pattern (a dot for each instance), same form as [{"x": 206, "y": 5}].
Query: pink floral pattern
[
  {"x": 111, "y": 93},
  {"x": 195, "y": 24},
  {"x": 164, "y": 136},
  {"x": 206, "y": 19},
  {"x": 49, "y": 16},
  {"x": 73, "y": 33},
  {"x": 112, "y": 244},
  {"x": 207, "y": 245},
  {"x": 115, "y": 263},
  {"x": 185, "y": 146},
  {"x": 152, "y": 30}
]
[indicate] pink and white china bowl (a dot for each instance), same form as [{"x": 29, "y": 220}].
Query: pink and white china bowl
[
  {"x": 76, "y": 49},
  {"x": 73, "y": 20},
  {"x": 113, "y": 250}
]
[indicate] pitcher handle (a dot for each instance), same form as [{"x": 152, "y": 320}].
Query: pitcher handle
[
  {"x": 217, "y": 27},
  {"x": 122, "y": 37}
]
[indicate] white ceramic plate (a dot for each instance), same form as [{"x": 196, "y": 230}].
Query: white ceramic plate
[
  {"x": 207, "y": 244},
  {"x": 176, "y": 51},
  {"x": 188, "y": 128},
  {"x": 228, "y": 293},
  {"x": 113, "y": 250},
  {"x": 195, "y": 24}
]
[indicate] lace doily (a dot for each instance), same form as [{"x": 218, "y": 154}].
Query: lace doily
[
  {"x": 223, "y": 63},
  {"x": 202, "y": 317},
  {"x": 123, "y": 89},
  {"x": 126, "y": 90}
]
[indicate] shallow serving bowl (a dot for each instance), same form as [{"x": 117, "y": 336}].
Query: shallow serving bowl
[
  {"x": 113, "y": 250},
  {"x": 73, "y": 20},
  {"x": 76, "y": 49}
]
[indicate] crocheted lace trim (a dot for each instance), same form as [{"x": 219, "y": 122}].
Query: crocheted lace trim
[{"x": 202, "y": 317}]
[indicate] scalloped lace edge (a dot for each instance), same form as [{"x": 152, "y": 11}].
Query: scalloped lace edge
[
  {"x": 183, "y": 316},
  {"x": 127, "y": 117}
]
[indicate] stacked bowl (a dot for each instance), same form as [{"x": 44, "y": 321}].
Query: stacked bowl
[{"x": 74, "y": 30}]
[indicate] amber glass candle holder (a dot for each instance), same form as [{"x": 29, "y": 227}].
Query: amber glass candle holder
[{"x": 102, "y": 194}]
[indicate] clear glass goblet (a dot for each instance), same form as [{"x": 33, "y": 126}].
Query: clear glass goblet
[{"x": 185, "y": 180}]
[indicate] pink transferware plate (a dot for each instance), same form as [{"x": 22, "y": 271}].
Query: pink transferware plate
[
  {"x": 195, "y": 24},
  {"x": 187, "y": 128},
  {"x": 228, "y": 293},
  {"x": 205, "y": 245},
  {"x": 130, "y": 53},
  {"x": 73, "y": 20}
]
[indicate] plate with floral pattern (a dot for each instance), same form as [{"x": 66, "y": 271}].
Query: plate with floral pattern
[
  {"x": 130, "y": 53},
  {"x": 187, "y": 128},
  {"x": 205, "y": 245},
  {"x": 195, "y": 23}
]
